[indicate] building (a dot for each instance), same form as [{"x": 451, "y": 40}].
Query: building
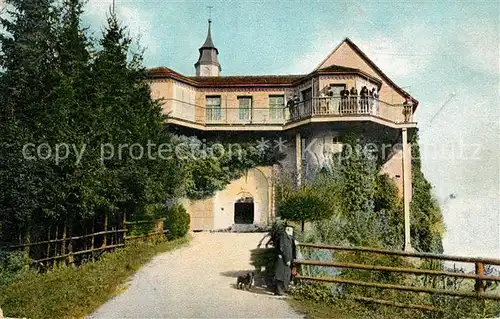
[{"x": 306, "y": 110}]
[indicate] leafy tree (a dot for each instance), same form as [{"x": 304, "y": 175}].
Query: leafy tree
[{"x": 304, "y": 205}]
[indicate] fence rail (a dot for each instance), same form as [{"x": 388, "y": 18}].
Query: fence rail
[
  {"x": 479, "y": 276},
  {"x": 63, "y": 248}
]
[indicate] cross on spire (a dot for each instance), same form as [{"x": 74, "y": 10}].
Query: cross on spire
[{"x": 209, "y": 14}]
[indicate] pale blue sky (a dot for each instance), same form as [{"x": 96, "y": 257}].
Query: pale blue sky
[{"x": 434, "y": 48}]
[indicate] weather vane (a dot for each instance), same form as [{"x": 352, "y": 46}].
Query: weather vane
[{"x": 209, "y": 13}]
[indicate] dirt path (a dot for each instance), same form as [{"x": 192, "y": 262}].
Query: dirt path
[{"x": 197, "y": 282}]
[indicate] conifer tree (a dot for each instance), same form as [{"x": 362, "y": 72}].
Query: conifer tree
[{"x": 28, "y": 61}]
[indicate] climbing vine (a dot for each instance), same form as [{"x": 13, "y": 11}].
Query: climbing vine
[{"x": 209, "y": 167}]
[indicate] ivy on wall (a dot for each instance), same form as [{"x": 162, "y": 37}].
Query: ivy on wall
[{"x": 211, "y": 166}]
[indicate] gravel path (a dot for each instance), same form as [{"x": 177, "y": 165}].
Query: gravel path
[{"x": 197, "y": 281}]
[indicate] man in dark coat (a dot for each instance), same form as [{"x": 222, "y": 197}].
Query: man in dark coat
[{"x": 283, "y": 270}]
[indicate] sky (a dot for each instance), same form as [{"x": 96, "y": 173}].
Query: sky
[{"x": 445, "y": 53}]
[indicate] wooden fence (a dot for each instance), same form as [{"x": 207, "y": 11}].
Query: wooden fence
[
  {"x": 88, "y": 246},
  {"x": 479, "y": 276}
]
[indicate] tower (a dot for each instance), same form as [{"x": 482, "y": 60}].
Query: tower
[{"x": 208, "y": 62}]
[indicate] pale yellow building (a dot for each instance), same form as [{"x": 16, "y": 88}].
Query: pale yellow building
[{"x": 305, "y": 110}]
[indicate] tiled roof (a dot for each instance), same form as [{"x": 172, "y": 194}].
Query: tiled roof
[{"x": 246, "y": 80}]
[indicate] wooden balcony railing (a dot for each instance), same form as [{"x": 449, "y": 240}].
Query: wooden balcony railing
[{"x": 316, "y": 107}]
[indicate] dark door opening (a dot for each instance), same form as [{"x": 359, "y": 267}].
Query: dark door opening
[{"x": 243, "y": 212}]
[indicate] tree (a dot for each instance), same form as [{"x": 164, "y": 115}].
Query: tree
[
  {"x": 128, "y": 115},
  {"x": 427, "y": 226},
  {"x": 305, "y": 204},
  {"x": 28, "y": 60}
]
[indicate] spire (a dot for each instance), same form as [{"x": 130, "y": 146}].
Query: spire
[
  {"x": 208, "y": 62},
  {"x": 209, "y": 44}
]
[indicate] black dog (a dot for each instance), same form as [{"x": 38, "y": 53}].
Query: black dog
[{"x": 245, "y": 281}]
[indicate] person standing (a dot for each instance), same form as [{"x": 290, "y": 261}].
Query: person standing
[
  {"x": 283, "y": 267},
  {"x": 344, "y": 100},
  {"x": 364, "y": 99},
  {"x": 354, "y": 100}
]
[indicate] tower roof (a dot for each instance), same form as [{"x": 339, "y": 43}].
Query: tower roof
[
  {"x": 208, "y": 52},
  {"x": 209, "y": 44}
]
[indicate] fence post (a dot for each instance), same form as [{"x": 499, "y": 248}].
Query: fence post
[
  {"x": 480, "y": 284},
  {"x": 48, "y": 244},
  {"x": 63, "y": 247},
  {"x": 124, "y": 227},
  {"x": 92, "y": 242},
  {"x": 70, "y": 251},
  {"x": 55, "y": 248},
  {"x": 104, "y": 242}
]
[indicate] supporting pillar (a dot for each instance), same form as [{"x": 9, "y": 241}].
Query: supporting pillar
[
  {"x": 407, "y": 188},
  {"x": 298, "y": 158}
]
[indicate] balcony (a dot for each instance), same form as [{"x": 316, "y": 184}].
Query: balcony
[{"x": 322, "y": 109}]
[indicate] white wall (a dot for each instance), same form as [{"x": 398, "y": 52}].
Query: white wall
[{"x": 184, "y": 99}]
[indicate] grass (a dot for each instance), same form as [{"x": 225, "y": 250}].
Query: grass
[
  {"x": 347, "y": 308},
  {"x": 319, "y": 310},
  {"x": 69, "y": 292}
]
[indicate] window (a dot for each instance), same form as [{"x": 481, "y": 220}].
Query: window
[
  {"x": 245, "y": 105},
  {"x": 213, "y": 108},
  {"x": 276, "y": 107}
]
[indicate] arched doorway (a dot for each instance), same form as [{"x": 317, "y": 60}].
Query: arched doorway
[{"x": 244, "y": 209}]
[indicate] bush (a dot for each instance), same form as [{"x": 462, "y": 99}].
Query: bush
[
  {"x": 12, "y": 266},
  {"x": 314, "y": 291},
  {"x": 177, "y": 222}
]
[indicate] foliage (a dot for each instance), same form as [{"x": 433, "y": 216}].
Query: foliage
[
  {"x": 306, "y": 204},
  {"x": 177, "y": 222},
  {"x": 365, "y": 208},
  {"x": 69, "y": 292},
  {"x": 210, "y": 169},
  {"x": 315, "y": 292},
  {"x": 367, "y": 211},
  {"x": 13, "y": 265},
  {"x": 56, "y": 88},
  {"x": 427, "y": 225}
]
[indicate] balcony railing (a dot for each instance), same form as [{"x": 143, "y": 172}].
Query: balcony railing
[
  {"x": 334, "y": 106},
  {"x": 315, "y": 107},
  {"x": 245, "y": 116}
]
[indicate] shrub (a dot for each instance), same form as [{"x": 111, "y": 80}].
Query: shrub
[
  {"x": 13, "y": 265},
  {"x": 313, "y": 291},
  {"x": 177, "y": 222}
]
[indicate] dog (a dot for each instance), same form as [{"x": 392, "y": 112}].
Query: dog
[{"x": 245, "y": 281}]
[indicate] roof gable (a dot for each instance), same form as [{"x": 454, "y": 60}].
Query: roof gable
[{"x": 350, "y": 55}]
